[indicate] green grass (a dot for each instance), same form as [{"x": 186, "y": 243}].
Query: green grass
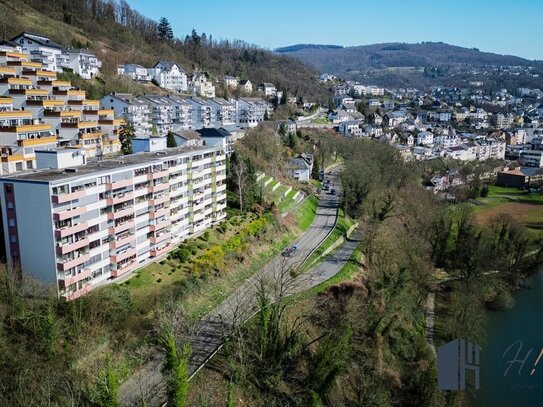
[
  {"x": 286, "y": 203},
  {"x": 321, "y": 120},
  {"x": 305, "y": 214}
]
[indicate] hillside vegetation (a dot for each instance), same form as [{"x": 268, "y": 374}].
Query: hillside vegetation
[{"x": 118, "y": 34}]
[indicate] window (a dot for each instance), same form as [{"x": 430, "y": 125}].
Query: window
[
  {"x": 8, "y": 188},
  {"x": 12, "y": 222},
  {"x": 10, "y": 205},
  {"x": 13, "y": 238}
]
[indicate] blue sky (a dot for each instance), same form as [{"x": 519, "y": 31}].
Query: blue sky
[{"x": 513, "y": 27}]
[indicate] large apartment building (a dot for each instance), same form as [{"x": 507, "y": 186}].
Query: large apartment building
[{"x": 81, "y": 226}]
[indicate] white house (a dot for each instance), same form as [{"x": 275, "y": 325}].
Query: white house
[
  {"x": 251, "y": 111},
  {"x": 84, "y": 63},
  {"x": 425, "y": 138},
  {"x": 135, "y": 72},
  {"x": 246, "y": 85},
  {"x": 230, "y": 81},
  {"x": 202, "y": 86},
  {"x": 218, "y": 137},
  {"x": 169, "y": 75},
  {"x": 42, "y": 49},
  {"x": 300, "y": 167},
  {"x": 268, "y": 89}
]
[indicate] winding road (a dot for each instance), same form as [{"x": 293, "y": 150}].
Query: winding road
[{"x": 210, "y": 332}]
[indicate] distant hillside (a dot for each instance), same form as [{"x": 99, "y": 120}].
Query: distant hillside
[
  {"x": 118, "y": 34},
  {"x": 356, "y": 62},
  {"x": 299, "y": 47}
]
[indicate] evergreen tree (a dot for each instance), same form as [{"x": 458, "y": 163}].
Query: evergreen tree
[
  {"x": 284, "y": 98},
  {"x": 266, "y": 115},
  {"x": 315, "y": 171},
  {"x": 170, "y": 140},
  {"x": 126, "y": 135},
  {"x": 165, "y": 32}
]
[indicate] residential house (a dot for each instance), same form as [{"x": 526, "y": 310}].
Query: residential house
[
  {"x": 83, "y": 63},
  {"x": 188, "y": 138},
  {"x": 223, "y": 112},
  {"x": 230, "y": 81},
  {"x": 161, "y": 114},
  {"x": 135, "y": 72},
  {"x": 246, "y": 85},
  {"x": 251, "y": 111},
  {"x": 134, "y": 110},
  {"x": 218, "y": 138},
  {"x": 42, "y": 49},
  {"x": 300, "y": 167},
  {"x": 201, "y": 85},
  {"x": 425, "y": 138},
  {"x": 170, "y": 76},
  {"x": 268, "y": 89}
]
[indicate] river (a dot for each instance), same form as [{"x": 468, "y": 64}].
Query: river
[{"x": 521, "y": 330}]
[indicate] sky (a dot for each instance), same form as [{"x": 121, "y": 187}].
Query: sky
[{"x": 512, "y": 27}]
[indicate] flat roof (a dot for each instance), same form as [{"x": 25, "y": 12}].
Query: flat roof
[{"x": 105, "y": 166}]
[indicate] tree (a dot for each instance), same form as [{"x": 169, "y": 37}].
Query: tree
[
  {"x": 284, "y": 98},
  {"x": 165, "y": 32},
  {"x": 170, "y": 140},
  {"x": 484, "y": 191},
  {"x": 126, "y": 135},
  {"x": 315, "y": 171},
  {"x": 266, "y": 115}
]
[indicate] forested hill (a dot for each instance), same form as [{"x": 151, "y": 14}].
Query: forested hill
[
  {"x": 119, "y": 34},
  {"x": 341, "y": 60},
  {"x": 400, "y": 64}
]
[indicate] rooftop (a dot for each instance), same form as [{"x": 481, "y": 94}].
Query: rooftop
[{"x": 94, "y": 166}]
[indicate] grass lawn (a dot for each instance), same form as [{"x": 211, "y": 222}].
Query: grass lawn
[
  {"x": 526, "y": 209},
  {"x": 306, "y": 212},
  {"x": 321, "y": 120}
]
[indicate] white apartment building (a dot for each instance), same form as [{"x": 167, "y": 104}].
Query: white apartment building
[
  {"x": 223, "y": 112},
  {"x": 181, "y": 113},
  {"x": 425, "y": 138},
  {"x": 161, "y": 113},
  {"x": 532, "y": 158},
  {"x": 200, "y": 85},
  {"x": 131, "y": 108},
  {"x": 80, "y": 227},
  {"x": 84, "y": 63},
  {"x": 268, "y": 89},
  {"x": 202, "y": 114},
  {"x": 42, "y": 49},
  {"x": 251, "y": 111},
  {"x": 170, "y": 76}
]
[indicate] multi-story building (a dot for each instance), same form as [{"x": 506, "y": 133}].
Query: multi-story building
[
  {"x": 135, "y": 72},
  {"x": 268, "y": 89},
  {"x": 41, "y": 49},
  {"x": 161, "y": 113},
  {"x": 223, "y": 112},
  {"x": 200, "y": 85},
  {"x": 84, "y": 63},
  {"x": 169, "y": 75},
  {"x": 201, "y": 113},
  {"x": 251, "y": 111},
  {"x": 132, "y": 109},
  {"x": 181, "y": 113},
  {"x": 77, "y": 227}
]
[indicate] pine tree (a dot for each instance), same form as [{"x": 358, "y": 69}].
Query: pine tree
[
  {"x": 126, "y": 135},
  {"x": 170, "y": 140},
  {"x": 284, "y": 98},
  {"x": 165, "y": 32}
]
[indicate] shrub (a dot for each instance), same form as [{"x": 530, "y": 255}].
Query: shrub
[{"x": 183, "y": 255}]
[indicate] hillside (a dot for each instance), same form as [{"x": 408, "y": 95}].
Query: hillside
[
  {"x": 396, "y": 63},
  {"x": 119, "y": 34}
]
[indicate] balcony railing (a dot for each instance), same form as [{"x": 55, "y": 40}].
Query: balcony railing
[{"x": 70, "y": 247}]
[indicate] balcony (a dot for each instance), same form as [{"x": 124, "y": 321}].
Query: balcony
[
  {"x": 68, "y": 280},
  {"x": 161, "y": 225},
  {"x": 159, "y": 252},
  {"x": 119, "y": 184},
  {"x": 70, "y": 230},
  {"x": 161, "y": 238},
  {"x": 37, "y": 141},
  {"x": 70, "y": 213},
  {"x": 113, "y": 230},
  {"x": 120, "y": 198},
  {"x": 157, "y": 175},
  {"x": 124, "y": 255},
  {"x": 125, "y": 268},
  {"x": 73, "y": 263},
  {"x": 158, "y": 188},
  {"x": 159, "y": 200},
  {"x": 78, "y": 293},
  {"x": 158, "y": 213},
  {"x": 70, "y": 247},
  {"x": 62, "y": 198},
  {"x": 119, "y": 214},
  {"x": 91, "y": 136},
  {"x": 26, "y": 128},
  {"x": 115, "y": 244}
]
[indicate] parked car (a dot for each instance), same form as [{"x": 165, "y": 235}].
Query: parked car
[{"x": 289, "y": 251}]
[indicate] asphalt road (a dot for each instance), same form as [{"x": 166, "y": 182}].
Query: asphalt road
[{"x": 208, "y": 336}]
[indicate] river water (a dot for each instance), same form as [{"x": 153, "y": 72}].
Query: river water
[{"x": 514, "y": 336}]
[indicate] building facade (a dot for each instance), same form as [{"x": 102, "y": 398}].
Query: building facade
[{"x": 77, "y": 228}]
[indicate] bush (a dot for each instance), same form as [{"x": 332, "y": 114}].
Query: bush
[
  {"x": 193, "y": 249},
  {"x": 484, "y": 191},
  {"x": 206, "y": 235},
  {"x": 183, "y": 255}
]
